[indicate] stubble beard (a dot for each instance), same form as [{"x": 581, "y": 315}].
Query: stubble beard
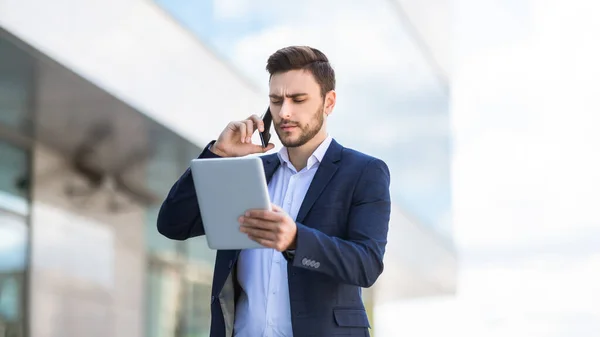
[{"x": 308, "y": 131}]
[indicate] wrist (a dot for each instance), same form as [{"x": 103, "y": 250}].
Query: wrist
[{"x": 214, "y": 148}]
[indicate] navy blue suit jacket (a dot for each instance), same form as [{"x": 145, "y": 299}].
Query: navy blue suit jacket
[{"x": 342, "y": 234}]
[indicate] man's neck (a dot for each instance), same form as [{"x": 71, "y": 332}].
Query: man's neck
[{"x": 299, "y": 155}]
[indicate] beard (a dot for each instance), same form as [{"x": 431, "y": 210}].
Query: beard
[{"x": 307, "y": 131}]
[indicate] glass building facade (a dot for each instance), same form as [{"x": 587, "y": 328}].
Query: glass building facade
[
  {"x": 15, "y": 87},
  {"x": 179, "y": 274},
  {"x": 175, "y": 299}
]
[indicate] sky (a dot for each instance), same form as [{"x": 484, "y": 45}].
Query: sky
[
  {"x": 525, "y": 175},
  {"x": 524, "y": 151}
]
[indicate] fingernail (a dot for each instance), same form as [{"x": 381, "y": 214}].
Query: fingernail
[{"x": 247, "y": 214}]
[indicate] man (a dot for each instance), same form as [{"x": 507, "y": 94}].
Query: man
[{"x": 326, "y": 235}]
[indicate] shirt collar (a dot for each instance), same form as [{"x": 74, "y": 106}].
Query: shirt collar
[{"x": 315, "y": 158}]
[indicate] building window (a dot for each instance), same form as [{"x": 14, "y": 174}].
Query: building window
[
  {"x": 179, "y": 274},
  {"x": 16, "y": 76},
  {"x": 16, "y": 71},
  {"x": 13, "y": 250},
  {"x": 13, "y": 239}
]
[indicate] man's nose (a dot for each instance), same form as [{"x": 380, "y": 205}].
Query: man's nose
[{"x": 285, "y": 111}]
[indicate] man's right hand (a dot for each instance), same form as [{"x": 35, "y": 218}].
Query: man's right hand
[{"x": 236, "y": 139}]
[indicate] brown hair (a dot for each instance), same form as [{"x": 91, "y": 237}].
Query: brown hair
[{"x": 305, "y": 58}]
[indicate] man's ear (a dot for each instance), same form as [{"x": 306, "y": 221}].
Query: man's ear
[{"x": 330, "y": 99}]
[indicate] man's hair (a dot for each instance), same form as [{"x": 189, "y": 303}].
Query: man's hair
[{"x": 305, "y": 58}]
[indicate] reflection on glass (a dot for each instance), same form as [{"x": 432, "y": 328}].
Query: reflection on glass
[
  {"x": 196, "y": 321},
  {"x": 178, "y": 278},
  {"x": 391, "y": 102},
  {"x": 156, "y": 243},
  {"x": 13, "y": 250},
  {"x": 166, "y": 165},
  {"x": 176, "y": 303},
  {"x": 199, "y": 253},
  {"x": 163, "y": 302},
  {"x": 13, "y": 171},
  {"x": 16, "y": 71},
  {"x": 161, "y": 173}
]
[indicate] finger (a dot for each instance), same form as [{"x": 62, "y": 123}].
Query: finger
[
  {"x": 264, "y": 242},
  {"x": 249, "y": 130},
  {"x": 258, "y": 223},
  {"x": 267, "y": 148},
  {"x": 257, "y": 121},
  {"x": 259, "y": 233},
  {"x": 258, "y": 148},
  {"x": 242, "y": 129},
  {"x": 255, "y": 148},
  {"x": 277, "y": 209},
  {"x": 262, "y": 214}
]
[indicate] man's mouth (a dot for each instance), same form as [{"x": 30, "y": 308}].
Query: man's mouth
[{"x": 287, "y": 127}]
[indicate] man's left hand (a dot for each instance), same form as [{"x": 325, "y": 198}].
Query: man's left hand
[{"x": 273, "y": 229}]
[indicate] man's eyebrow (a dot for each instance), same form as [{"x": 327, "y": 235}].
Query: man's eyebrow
[{"x": 289, "y": 95}]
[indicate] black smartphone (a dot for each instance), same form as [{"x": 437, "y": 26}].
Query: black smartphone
[{"x": 265, "y": 136}]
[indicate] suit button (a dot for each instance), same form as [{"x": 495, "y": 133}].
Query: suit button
[{"x": 212, "y": 299}]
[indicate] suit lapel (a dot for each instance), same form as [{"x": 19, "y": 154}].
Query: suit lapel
[
  {"x": 271, "y": 163},
  {"x": 325, "y": 172}
]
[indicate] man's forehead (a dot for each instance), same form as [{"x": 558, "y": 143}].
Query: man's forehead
[{"x": 291, "y": 83}]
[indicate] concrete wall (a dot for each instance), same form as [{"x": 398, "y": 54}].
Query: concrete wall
[{"x": 87, "y": 268}]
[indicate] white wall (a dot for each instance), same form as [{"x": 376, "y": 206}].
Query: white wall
[{"x": 133, "y": 50}]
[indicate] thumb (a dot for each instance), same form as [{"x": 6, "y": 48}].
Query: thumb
[
  {"x": 276, "y": 208},
  {"x": 259, "y": 148}
]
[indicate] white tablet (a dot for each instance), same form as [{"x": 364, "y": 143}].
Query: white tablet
[{"x": 226, "y": 188}]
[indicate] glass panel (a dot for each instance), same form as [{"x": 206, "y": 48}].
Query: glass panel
[
  {"x": 165, "y": 167},
  {"x": 164, "y": 302},
  {"x": 199, "y": 253},
  {"x": 156, "y": 243},
  {"x": 16, "y": 75},
  {"x": 196, "y": 318},
  {"x": 177, "y": 305},
  {"x": 385, "y": 85},
  {"x": 13, "y": 172},
  {"x": 162, "y": 172},
  {"x": 13, "y": 258}
]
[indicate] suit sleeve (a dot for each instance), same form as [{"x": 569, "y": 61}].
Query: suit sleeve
[
  {"x": 179, "y": 215},
  {"x": 358, "y": 258}
]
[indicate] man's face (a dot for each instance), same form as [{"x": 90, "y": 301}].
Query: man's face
[{"x": 297, "y": 107}]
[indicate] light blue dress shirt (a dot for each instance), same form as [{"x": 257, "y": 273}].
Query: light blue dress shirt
[{"x": 263, "y": 308}]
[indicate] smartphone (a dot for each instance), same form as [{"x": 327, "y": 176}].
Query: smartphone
[{"x": 265, "y": 136}]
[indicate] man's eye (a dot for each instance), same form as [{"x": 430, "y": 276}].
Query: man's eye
[
  {"x": 275, "y": 102},
  {"x": 299, "y": 100}
]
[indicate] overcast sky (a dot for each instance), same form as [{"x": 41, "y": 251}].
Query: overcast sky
[{"x": 526, "y": 182}]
